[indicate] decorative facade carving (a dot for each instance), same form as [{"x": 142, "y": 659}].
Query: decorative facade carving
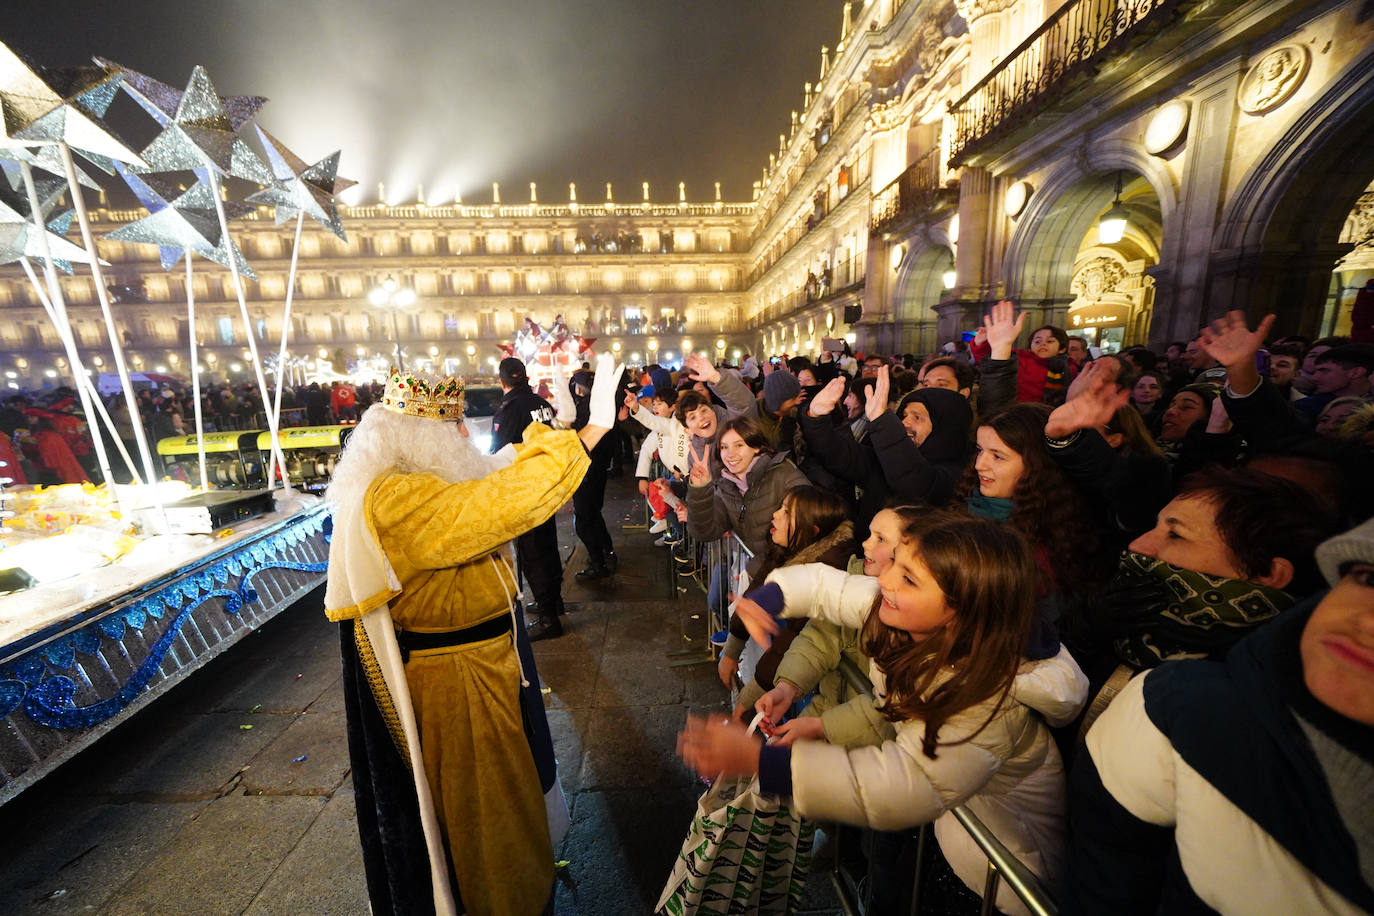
[
  {"x": 886, "y": 115},
  {"x": 1271, "y": 81},
  {"x": 973, "y": 10},
  {"x": 1097, "y": 278}
]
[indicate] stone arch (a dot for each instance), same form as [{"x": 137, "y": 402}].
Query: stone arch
[
  {"x": 919, "y": 288},
  {"x": 1040, "y": 256},
  {"x": 1278, "y": 238}
]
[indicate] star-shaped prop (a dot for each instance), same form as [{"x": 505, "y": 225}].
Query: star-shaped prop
[
  {"x": 181, "y": 221},
  {"x": 39, "y": 106},
  {"x": 200, "y": 133},
  {"x": 49, "y": 160},
  {"x": 19, "y": 238},
  {"x": 161, "y": 100},
  {"x": 49, "y": 191},
  {"x": 301, "y": 188}
]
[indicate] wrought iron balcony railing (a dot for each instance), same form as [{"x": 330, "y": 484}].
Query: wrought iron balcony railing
[
  {"x": 914, "y": 194},
  {"x": 1069, "y": 45}
]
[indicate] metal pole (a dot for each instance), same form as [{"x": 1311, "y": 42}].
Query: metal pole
[{"x": 396, "y": 332}]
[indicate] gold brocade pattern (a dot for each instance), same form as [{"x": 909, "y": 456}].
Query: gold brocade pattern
[
  {"x": 385, "y": 704},
  {"x": 440, "y": 538}
]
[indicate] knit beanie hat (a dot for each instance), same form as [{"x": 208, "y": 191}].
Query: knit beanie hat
[
  {"x": 778, "y": 387},
  {"x": 1354, "y": 546}
]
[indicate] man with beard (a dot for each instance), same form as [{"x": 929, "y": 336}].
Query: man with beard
[{"x": 457, "y": 796}]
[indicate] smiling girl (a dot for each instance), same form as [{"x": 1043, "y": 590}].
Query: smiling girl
[
  {"x": 752, "y": 481},
  {"x": 945, "y": 627}
]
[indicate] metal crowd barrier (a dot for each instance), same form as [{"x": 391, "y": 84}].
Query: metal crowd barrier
[
  {"x": 729, "y": 557},
  {"x": 855, "y": 891}
]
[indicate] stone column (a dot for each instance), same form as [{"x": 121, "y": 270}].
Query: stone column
[{"x": 1181, "y": 293}]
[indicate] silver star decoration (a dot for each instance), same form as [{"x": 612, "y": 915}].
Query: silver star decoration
[
  {"x": 49, "y": 160},
  {"x": 40, "y": 107},
  {"x": 161, "y": 100},
  {"x": 201, "y": 133},
  {"x": 19, "y": 238},
  {"x": 302, "y": 188},
  {"x": 49, "y": 192},
  {"x": 181, "y": 221}
]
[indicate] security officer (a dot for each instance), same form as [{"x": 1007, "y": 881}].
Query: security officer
[{"x": 537, "y": 549}]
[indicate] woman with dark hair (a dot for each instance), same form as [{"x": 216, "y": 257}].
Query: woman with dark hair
[
  {"x": 1015, "y": 480},
  {"x": 747, "y": 488},
  {"x": 1147, "y": 397},
  {"x": 811, "y": 526}
]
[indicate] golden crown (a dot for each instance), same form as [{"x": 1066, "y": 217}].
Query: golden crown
[{"x": 419, "y": 394}]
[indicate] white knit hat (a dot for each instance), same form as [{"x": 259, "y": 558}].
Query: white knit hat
[{"x": 1354, "y": 546}]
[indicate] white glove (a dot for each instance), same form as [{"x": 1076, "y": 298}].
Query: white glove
[
  {"x": 603, "y": 406},
  {"x": 565, "y": 408}
]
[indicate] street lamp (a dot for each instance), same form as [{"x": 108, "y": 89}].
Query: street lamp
[{"x": 395, "y": 298}]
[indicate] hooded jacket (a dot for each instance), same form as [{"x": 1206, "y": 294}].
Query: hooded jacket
[
  {"x": 1009, "y": 774},
  {"x": 887, "y": 464}
]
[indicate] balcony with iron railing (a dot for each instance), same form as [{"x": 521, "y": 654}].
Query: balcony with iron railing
[
  {"x": 1069, "y": 49},
  {"x": 914, "y": 195}
]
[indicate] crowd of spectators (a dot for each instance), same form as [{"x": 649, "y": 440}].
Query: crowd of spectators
[
  {"x": 1121, "y": 606},
  {"x": 48, "y": 434}
]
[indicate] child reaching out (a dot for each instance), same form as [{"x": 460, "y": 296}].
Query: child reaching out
[{"x": 945, "y": 627}]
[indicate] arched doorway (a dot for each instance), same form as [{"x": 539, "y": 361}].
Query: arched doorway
[
  {"x": 1280, "y": 235},
  {"x": 922, "y": 281},
  {"x": 1066, "y": 273}
]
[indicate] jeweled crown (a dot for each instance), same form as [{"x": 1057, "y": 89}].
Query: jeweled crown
[{"x": 419, "y": 394}]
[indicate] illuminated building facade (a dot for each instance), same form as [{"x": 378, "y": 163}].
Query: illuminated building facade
[{"x": 1125, "y": 168}]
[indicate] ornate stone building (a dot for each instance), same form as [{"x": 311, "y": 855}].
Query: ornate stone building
[{"x": 950, "y": 153}]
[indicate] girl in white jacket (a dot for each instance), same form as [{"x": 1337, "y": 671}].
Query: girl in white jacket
[{"x": 946, "y": 627}]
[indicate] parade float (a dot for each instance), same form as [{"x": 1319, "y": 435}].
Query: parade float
[{"x": 110, "y": 595}]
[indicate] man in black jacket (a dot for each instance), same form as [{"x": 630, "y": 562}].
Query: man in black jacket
[{"x": 537, "y": 549}]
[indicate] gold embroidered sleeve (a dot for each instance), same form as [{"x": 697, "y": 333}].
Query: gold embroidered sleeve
[{"x": 439, "y": 524}]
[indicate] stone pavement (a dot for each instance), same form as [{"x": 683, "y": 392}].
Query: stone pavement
[{"x": 232, "y": 793}]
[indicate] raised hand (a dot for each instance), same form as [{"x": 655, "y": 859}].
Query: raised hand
[
  {"x": 701, "y": 467},
  {"x": 1218, "y": 421},
  {"x": 700, "y": 368},
  {"x": 876, "y": 405},
  {"x": 1230, "y": 341},
  {"x": 1003, "y": 326},
  {"x": 824, "y": 401},
  {"x": 756, "y": 620},
  {"x": 602, "y": 403},
  {"x": 565, "y": 408},
  {"x": 1108, "y": 364},
  {"x": 1093, "y": 404}
]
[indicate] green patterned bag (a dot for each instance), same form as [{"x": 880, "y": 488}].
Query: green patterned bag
[{"x": 746, "y": 852}]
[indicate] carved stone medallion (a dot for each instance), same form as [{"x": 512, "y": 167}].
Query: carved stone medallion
[{"x": 1273, "y": 79}]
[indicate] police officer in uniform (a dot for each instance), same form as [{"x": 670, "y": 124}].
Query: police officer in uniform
[{"x": 536, "y": 549}]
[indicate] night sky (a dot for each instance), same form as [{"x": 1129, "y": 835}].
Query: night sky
[{"x": 456, "y": 95}]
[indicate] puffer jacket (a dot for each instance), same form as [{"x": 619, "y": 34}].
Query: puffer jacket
[
  {"x": 1009, "y": 774},
  {"x": 720, "y": 507}
]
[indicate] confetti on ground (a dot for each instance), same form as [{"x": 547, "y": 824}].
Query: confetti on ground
[
  {"x": 300, "y": 759},
  {"x": 696, "y": 616},
  {"x": 546, "y": 690},
  {"x": 299, "y": 676},
  {"x": 246, "y": 727},
  {"x": 561, "y": 863},
  {"x": 61, "y": 892},
  {"x": 255, "y": 708},
  {"x": 686, "y": 637}
]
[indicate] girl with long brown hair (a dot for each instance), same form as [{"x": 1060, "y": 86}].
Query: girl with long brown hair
[
  {"x": 811, "y": 526},
  {"x": 946, "y": 628}
]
